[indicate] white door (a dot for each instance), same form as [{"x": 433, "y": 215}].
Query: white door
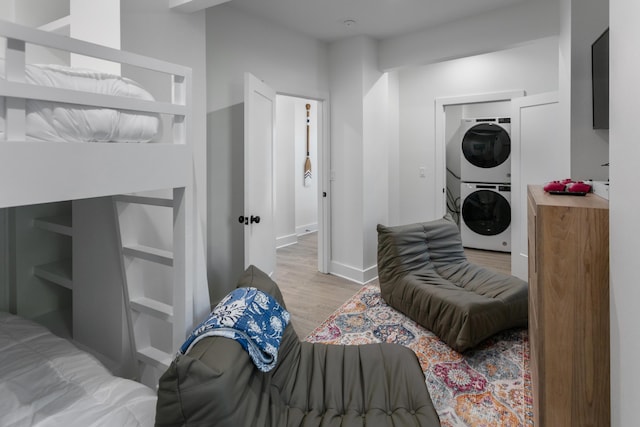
[
  {"x": 259, "y": 124},
  {"x": 538, "y": 156}
]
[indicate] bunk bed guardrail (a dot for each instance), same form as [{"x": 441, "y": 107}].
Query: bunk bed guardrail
[{"x": 43, "y": 171}]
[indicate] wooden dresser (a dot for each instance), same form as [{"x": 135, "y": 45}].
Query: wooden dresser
[{"x": 569, "y": 308}]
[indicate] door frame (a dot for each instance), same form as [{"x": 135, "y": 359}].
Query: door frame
[
  {"x": 519, "y": 236},
  {"x": 440, "y": 202},
  {"x": 323, "y": 174}
]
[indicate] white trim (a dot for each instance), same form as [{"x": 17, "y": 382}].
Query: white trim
[
  {"x": 60, "y": 42},
  {"x": 354, "y": 274},
  {"x": 105, "y": 169},
  {"x": 301, "y": 230},
  {"x": 288, "y": 240},
  {"x": 45, "y": 93}
]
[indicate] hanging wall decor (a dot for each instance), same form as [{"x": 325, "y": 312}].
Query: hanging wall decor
[{"x": 307, "y": 162}]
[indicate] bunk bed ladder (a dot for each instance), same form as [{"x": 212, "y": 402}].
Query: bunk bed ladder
[{"x": 157, "y": 293}]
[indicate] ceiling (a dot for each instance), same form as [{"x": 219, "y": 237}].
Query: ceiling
[{"x": 329, "y": 20}]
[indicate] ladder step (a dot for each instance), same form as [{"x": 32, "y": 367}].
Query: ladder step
[
  {"x": 58, "y": 272},
  {"x": 153, "y": 356},
  {"x": 159, "y": 256},
  {"x": 153, "y": 308},
  {"x": 144, "y": 200}
]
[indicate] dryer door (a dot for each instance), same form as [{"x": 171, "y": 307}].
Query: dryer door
[
  {"x": 486, "y": 145},
  {"x": 486, "y": 212}
]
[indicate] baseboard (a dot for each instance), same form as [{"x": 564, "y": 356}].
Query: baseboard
[
  {"x": 353, "y": 274},
  {"x": 283, "y": 241},
  {"x": 306, "y": 229}
]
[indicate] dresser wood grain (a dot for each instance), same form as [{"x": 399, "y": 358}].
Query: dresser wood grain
[{"x": 569, "y": 308}]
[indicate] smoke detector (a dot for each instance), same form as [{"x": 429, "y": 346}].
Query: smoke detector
[{"x": 349, "y": 22}]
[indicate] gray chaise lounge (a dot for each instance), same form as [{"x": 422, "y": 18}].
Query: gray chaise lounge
[
  {"x": 217, "y": 384},
  {"x": 425, "y": 274}
]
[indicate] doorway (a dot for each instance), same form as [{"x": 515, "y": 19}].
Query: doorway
[
  {"x": 450, "y": 113},
  {"x": 299, "y": 202}
]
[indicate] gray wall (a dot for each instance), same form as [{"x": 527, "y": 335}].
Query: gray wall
[
  {"x": 589, "y": 147},
  {"x": 287, "y": 61},
  {"x": 150, "y": 28}
]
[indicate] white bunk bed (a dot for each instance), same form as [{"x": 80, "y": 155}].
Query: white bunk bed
[{"x": 38, "y": 172}]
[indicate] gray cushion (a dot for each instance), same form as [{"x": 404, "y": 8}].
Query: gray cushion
[
  {"x": 425, "y": 274},
  {"x": 312, "y": 385}
]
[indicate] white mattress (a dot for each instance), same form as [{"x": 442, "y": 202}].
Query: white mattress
[
  {"x": 47, "y": 121},
  {"x": 46, "y": 381}
]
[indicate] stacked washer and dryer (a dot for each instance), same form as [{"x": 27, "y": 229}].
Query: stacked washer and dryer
[{"x": 485, "y": 193}]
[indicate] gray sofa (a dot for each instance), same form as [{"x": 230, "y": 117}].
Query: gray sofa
[
  {"x": 424, "y": 273},
  {"x": 217, "y": 384}
]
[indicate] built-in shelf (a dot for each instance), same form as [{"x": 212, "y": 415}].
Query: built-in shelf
[
  {"x": 59, "y": 26},
  {"x": 58, "y": 272},
  {"x": 57, "y": 224}
]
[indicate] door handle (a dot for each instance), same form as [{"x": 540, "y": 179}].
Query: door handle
[{"x": 246, "y": 220}]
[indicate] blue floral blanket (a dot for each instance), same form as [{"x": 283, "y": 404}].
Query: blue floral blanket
[{"x": 251, "y": 317}]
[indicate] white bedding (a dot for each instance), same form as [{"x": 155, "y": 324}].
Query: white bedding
[
  {"x": 47, "y": 121},
  {"x": 46, "y": 381}
]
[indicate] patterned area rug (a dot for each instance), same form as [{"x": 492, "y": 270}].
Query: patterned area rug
[{"x": 485, "y": 387}]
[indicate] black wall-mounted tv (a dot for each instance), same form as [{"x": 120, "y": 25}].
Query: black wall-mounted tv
[{"x": 600, "y": 81}]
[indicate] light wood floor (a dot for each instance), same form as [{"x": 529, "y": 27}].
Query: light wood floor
[{"x": 311, "y": 296}]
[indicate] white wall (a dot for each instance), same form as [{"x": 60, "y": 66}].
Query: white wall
[
  {"x": 376, "y": 165},
  {"x": 624, "y": 150},
  {"x": 7, "y": 10},
  {"x": 34, "y": 13},
  {"x": 306, "y": 198},
  {"x": 393, "y": 146},
  {"x": 499, "y": 29},
  {"x": 346, "y": 61},
  {"x": 96, "y": 21},
  {"x": 362, "y": 130},
  {"x": 149, "y": 28},
  {"x": 532, "y": 67},
  {"x": 285, "y": 204},
  {"x": 296, "y": 207},
  {"x": 289, "y": 62},
  {"x": 564, "y": 72}
]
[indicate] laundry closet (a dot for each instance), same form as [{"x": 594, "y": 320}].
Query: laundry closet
[{"x": 478, "y": 164}]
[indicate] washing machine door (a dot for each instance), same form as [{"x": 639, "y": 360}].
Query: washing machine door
[
  {"x": 486, "y": 145},
  {"x": 486, "y": 212}
]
